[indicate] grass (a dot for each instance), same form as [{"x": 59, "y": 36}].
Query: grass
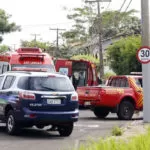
[
  {"x": 139, "y": 142},
  {"x": 116, "y": 131}
]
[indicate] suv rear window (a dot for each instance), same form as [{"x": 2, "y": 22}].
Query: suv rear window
[{"x": 45, "y": 84}]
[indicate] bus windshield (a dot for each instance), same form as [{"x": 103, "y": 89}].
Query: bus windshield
[{"x": 25, "y": 67}]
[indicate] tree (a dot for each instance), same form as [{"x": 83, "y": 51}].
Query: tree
[
  {"x": 4, "y": 48},
  {"x": 86, "y": 24},
  {"x": 5, "y": 25},
  {"x": 43, "y": 45},
  {"x": 86, "y": 57},
  {"x": 122, "y": 55},
  {"x": 79, "y": 33},
  {"x": 117, "y": 23}
]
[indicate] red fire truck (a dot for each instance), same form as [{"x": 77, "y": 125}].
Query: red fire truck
[
  {"x": 81, "y": 72},
  {"x": 26, "y": 59}
]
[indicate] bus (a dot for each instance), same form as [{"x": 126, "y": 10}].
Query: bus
[
  {"x": 81, "y": 72},
  {"x": 26, "y": 59}
]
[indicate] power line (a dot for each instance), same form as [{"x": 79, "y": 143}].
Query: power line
[
  {"x": 99, "y": 35},
  {"x": 57, "y": 38},
  {"x": 128, "y": 5},
  {"x": 122, "y": 5},
  {"x": 36, "y": 25},
  {"x": 108, "y": 6}
]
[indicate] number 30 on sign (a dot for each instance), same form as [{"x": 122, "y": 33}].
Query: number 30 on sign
[{"x": 143, "y": 55}]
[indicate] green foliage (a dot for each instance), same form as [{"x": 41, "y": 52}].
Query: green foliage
[
  {"x": 43, "y": 45},
  {"x": 117, "y": 23},
  {"x": 48, "y": 47},
  {"x": 122, "y": 55},
  {"x": 5, "y": 25},
  {"x": 4, "y": 48},
  {"x": 79, "y": 32},
  {"x": 107, "y": 75},
  {"x": 86, "y": 25},
  {"x": 86, "y": 57},
  {"x": 116, "y": 131},
  {"x": 139, "y": 142}
]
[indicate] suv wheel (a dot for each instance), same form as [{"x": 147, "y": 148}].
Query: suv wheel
[
  {"x": 126, "y": 110},
  {"x": 65, "y": 130},
  {"x": 11, "y": 124}
]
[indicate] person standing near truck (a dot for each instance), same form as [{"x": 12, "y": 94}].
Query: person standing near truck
[{"x": 81, "y": 79}]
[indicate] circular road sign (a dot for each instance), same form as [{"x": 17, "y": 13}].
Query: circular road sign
[{"x": 143, "y": 55}]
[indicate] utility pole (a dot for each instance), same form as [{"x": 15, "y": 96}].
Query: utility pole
[
  {"x": 35, "y": 37},
  {"x": 57, "y": 39},
  {"x": 14, "y": 46},
  {"x": 100, "y": 34},
  {"x": 145, "y": 13}
]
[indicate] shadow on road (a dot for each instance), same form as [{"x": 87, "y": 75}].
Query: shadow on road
[
  {"x": 108, "y": 119},
  {"x": 30, "y": 134}
]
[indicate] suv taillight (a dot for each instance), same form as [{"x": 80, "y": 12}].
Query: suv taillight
[
  {"x": 27, "y": 95},
  {"x": 74, "y": 97}
]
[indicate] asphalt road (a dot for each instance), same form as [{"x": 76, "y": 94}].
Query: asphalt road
[{"x": 86, "y": 128}]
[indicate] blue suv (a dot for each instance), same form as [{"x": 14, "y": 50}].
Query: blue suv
[{"x": 38, "y": 98}]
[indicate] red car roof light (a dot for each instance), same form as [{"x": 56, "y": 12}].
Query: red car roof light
[
  {"x": 30, "y": 69},
  {"x": 29, "y": 50},
  {"x": 39, "y": 57}
]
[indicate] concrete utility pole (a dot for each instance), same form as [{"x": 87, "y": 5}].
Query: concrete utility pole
[
  {"x": 100, "y": 35},
  {"x": 145, "y": 5},
  {"x": 57, "y": 39}
]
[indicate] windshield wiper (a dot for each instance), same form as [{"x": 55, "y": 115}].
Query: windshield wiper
[{"x": 48, "y": 88}]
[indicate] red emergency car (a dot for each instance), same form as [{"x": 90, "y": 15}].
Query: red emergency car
[{"x": 26, "y": 59}]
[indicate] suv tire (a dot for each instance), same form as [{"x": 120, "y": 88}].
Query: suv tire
[
  {"x": 12, "y": 126},
  {"x": 65, "y": 130}
]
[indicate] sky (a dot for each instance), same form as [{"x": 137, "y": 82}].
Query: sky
[{"x": 38, "y": 16}]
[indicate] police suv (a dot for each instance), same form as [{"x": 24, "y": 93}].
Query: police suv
[{"x": 37, "y": 98}]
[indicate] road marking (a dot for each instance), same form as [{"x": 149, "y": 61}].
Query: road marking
[{"x": 87, "y": 125}]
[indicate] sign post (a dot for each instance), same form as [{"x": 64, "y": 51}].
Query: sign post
[
  {"x": 143, "y": 56},
  {"x": 145, "y": 14}
]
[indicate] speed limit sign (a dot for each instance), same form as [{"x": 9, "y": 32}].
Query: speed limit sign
[{"x": 143, "y": 55}]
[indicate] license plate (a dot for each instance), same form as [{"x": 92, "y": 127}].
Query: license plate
[
  {"x": 54, "y": 101},
  {"x": 87, "y": 103}
]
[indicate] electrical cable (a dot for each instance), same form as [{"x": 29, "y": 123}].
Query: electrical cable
[
  {"x": 108, "y": 6},
  {"x": 128, "y": 5},
  {"x": 122, "y": 5},
  {"x": 39, "y": 25}
]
